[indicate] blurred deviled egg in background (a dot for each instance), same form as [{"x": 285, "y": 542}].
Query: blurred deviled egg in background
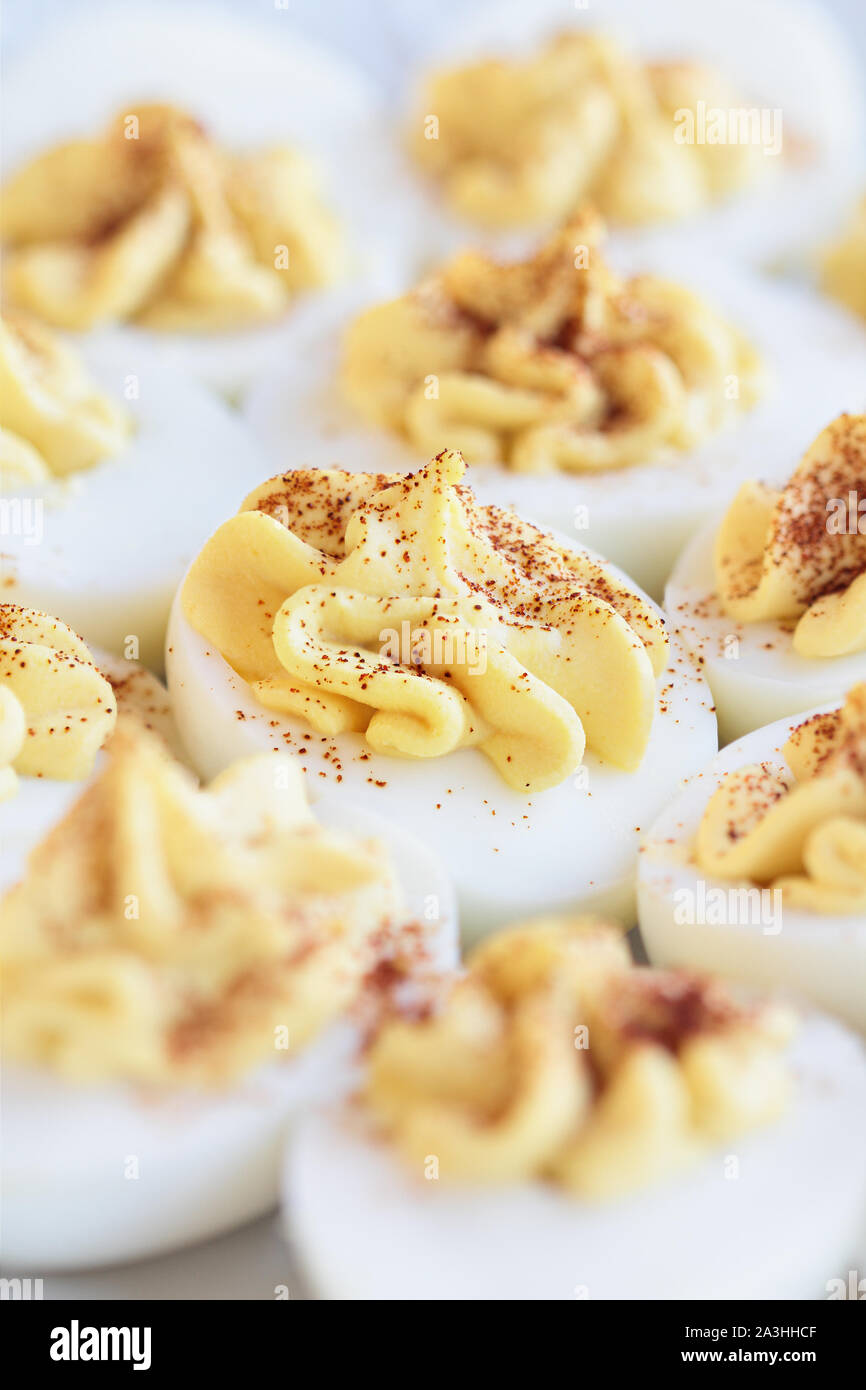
[
  {"x": 736, "y": 129},
  {"x": 619, "y": 398},
  {"x": 843, "y": 267},
  {"x": 113, "y": 469},
  {"x": 203, "y": 193}
]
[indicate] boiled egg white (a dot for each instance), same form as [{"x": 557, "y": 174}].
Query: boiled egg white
[
  {"x": 106, "y": 546},
  {"x": 639, "y": 517},
  {"x": 365, "y": 1228},
  {"x": 687, "y": 918},
  {"x": 754, "y": 672}
]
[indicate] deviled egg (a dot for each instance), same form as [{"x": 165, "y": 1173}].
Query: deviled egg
[
  {"x": 204, "y": 193},
  {"x": 160, "y": 226},
  {"x": 758, "y": 868},
  {"x": 522, "y": 141},
  {"x": 179, "y": 967},
  {"x": 60, "y": 703},
  {"x": 843, "y": 271},
  {"x": 510, "y": 698},
  {"x": 771, "y": 600},
  {"x": 113, "y": 469},
  {"x": 622, "y": 408},
  {"x": 737, "y": 126},
  {"x": 563, "y": 1125}
]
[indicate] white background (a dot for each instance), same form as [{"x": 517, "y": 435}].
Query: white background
[{"x": 384, "y": 36}]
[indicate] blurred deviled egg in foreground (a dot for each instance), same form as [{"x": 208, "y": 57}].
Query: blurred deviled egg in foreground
[
  {"x": 563, "y": 1125},
  {"x": 510, "y": 698},
  {"x": 758, "y": 868},
  {"x": 113, "y": 469},
  {"x": 203, "y": 193},
  {"x": 179, "y": 968},
  {"x": 623, "y": 408},
  {"x": 771, "y": 600}
]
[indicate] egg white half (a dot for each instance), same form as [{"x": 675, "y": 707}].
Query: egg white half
[
  {"x": 754, "y": 672},
  {"x": 367, "y": 1228},
  {"x": 817, "y": 957},
  {"x": 571, "y": 848},
  {"x": 255, "y": 83},
  {"x": 100, "y": 1174},
  {"x": 789, "y": 56},
  {"x": 105, "y": 547},
  {"x": 640, "y": 517}
]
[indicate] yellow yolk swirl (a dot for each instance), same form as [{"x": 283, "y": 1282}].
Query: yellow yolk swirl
[
  {"x": 519, "y": 142},
  {"x": 153, "y": 221},
  {"x": 548, "y": 364},
  {"x": 68, "y": 706},
  {"x": 398, "y": 607},
  {"x": 801, "y": 553},
  {"x": 844, "y": 267},
  {"x": 555, "y": 1058},
  {"x": 203, "y": 932},
  {"x": 801, "y": 828},
  {"x": 53, "y": 419}
]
